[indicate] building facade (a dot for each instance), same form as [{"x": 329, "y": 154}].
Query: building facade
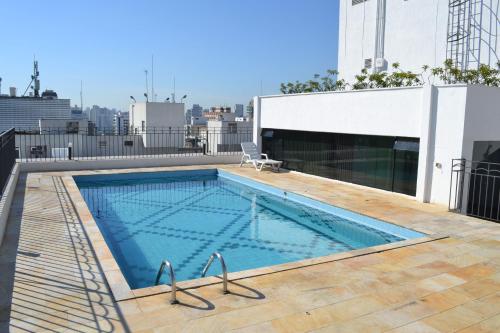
[
  {"x": 121, "y": 123},
  {"x": 24, "y": 113},
  {"x": 102, "y": 117},
  {"x": 77, "y": 113},
  {"x": 395, "y": 139},
  {"x": 239, "y": 110},
  {"x": 161, "y": 124},
  {"x": 373, "y": 34},
  {"x": 227, "y": 136}
]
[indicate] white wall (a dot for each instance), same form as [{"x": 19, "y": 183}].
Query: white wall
[
  {"x": 464, "y": 114},
  {"x": 448, "y": 138},
  {"x": 157, "y": 114},
  {"x": 371, "y": 112},
  {"x": 415, "y": 34},
  {"x": 83, "y": 145},
  {"x": 482, "y": 117},
  {"x": 128, "y": 163},
  {"x": 220, "y": 138},
  {"x": 447, "y": 119},
  {"x": 158, "y": 117},
  {"x": 6, "y": 199}
]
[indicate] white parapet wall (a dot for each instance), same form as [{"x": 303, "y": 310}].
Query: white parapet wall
[
  {"x": 124, "y": 163},
  {"x": 447, "y": 120},
  {"x": 372, "y": 112},
  {"x": 6, "y": 199}
]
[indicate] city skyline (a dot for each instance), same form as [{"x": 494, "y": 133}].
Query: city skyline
[{"x": 220, "y": 53}]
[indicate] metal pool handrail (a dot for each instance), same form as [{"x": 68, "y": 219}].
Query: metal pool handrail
[
  {"x": 173, "y": 298},
  {"x": 224, "y": 269}
]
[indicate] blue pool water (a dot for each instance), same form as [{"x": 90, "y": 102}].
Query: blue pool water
[{"x": 184, "y": 216}]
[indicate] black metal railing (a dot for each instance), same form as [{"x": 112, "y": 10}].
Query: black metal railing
[
  {"x": 475, "y": 189},
  {"x": 7, "y": 156},
  {"x": 54, "y": 144}
]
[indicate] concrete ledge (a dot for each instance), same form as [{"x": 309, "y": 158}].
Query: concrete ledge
[
  {"x": 75, "y": 165},
  {"x": 6, "y": 199}
]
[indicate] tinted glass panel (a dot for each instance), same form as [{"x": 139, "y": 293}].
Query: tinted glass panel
[{"x": 387, "y": 163}]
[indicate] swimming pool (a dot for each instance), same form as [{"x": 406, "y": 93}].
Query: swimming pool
[{"x": 184, "y": 216}]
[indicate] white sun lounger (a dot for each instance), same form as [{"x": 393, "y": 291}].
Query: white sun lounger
[{"x": 251, "y": 155}]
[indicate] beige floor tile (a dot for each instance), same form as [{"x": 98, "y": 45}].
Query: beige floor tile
[
  {"x": 415, "y": 327},
  {"x": 453, "y": 320},
  {"x": 444, "y": 285}
]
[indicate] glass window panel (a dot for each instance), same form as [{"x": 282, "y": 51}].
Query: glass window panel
[{"x": 387, "y": 163}]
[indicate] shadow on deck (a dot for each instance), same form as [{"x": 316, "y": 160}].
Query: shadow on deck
[{"x": 50, "y": 279}]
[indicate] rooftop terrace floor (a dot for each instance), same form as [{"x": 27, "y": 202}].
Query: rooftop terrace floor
[{"x": 50, "y": 279}]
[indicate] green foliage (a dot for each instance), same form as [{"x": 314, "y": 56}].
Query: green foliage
[
  {"x": 325, "y": 83},
  {"x": 397, "y": 78},
  {"x": 484, "y": 75},
  {"x": 448, "y": 74}
]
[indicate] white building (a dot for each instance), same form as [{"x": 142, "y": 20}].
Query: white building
[
  {"x": 24, "y": 113},
  {"x": 227, "y": 136},
  {"x": 416, "y": 33},
  {"x": 150, "y": 119},
  {"x": 396, "y": 139}
]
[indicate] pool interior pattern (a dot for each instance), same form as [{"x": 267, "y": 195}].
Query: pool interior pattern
[{"x": 187, "y": 215}]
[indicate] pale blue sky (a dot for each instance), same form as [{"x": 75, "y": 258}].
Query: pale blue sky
[{"x": 218, "y": 50}]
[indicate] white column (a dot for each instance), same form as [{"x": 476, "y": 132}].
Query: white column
[
  {"x": 256, "y": 123},
  {"x": 427, "y": 142}
]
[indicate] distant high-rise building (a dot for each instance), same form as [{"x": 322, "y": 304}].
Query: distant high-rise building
[
  {"x": 219, "y": 113},
  {"x": 121, "y": 123},
  {"x": 101, "y": 117},
  {"x": 249, "y": 111},
  {"x": 195, "y": 111},
  {"x": 24, "y": 113},
  {"x": 239, "y": 109},
  {"x": 78, "y": 114}
]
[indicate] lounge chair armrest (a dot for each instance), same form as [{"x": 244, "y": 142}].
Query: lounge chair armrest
[{"x": 265, "y": 155}]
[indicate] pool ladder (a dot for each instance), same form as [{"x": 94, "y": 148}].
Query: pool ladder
[
  {"x": 166, "y": 263},
  {"x": 224, "y": 269}
]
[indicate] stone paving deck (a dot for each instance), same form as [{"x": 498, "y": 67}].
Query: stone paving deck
[{"x": 50, "y": 280}]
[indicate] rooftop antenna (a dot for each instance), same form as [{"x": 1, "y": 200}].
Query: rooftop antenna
[
  {"x": 35, "y": 80},
  {"x": 152, "y": 79},
  {"x": 147, "y": 89},
  {"x": 173, "y": 95},
  {"x": 81, "y": 95},
  {"x": 36, "y": 73}
]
